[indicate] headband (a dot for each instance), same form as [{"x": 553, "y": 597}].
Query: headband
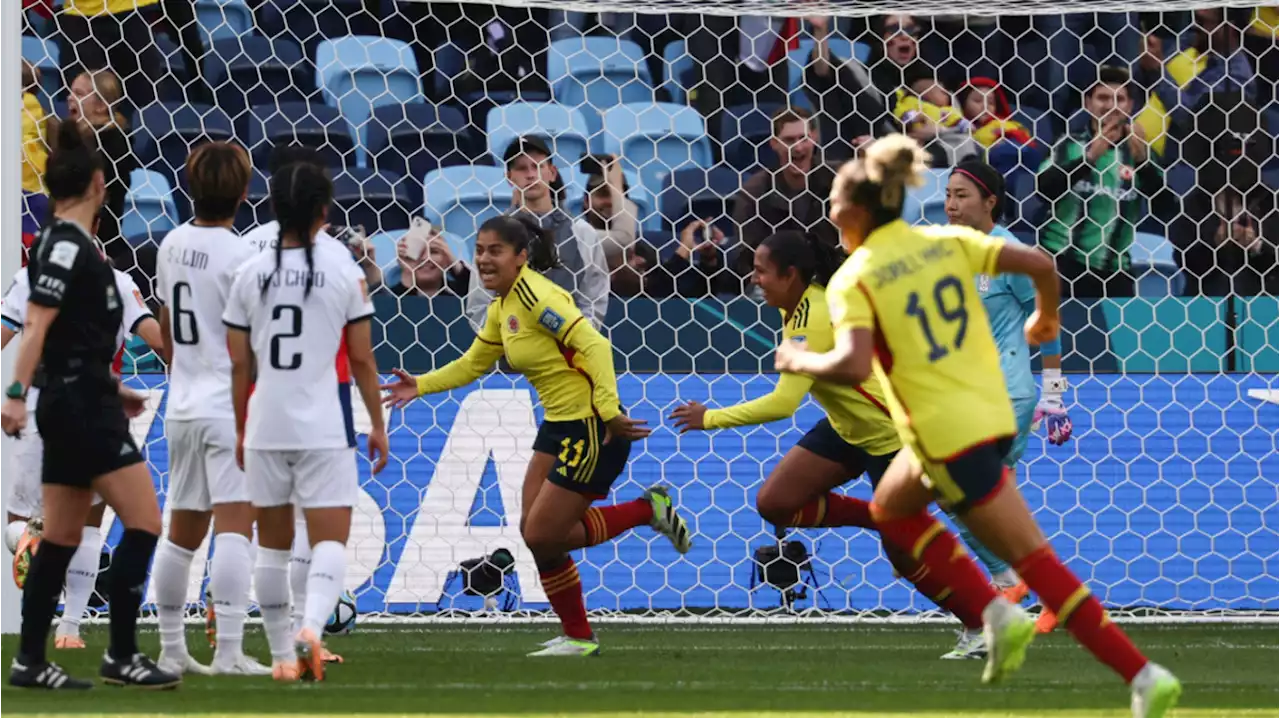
[{"x": 972, "y": 176}]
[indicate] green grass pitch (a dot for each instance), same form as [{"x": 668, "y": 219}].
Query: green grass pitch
[{"x": 807, "y": 671}]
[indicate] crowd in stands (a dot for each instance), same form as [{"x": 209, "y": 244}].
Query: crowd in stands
[{"x": 1128, "y": 140}]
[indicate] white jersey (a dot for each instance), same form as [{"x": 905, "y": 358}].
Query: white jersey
[
  {"x": 194, "y": 271},
  {"x": 266, "y": 237},
  {"x": 295, "y": 402}
]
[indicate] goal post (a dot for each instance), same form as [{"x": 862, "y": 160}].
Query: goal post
[{"x": 1164, "y": 501}]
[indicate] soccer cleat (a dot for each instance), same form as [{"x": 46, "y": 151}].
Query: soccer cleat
[
  {"x": 971, "y": 645},
  {"x": 140, "y": 671},
  {"x": 68, "y": 642},
  {"x": 240, "y": 666},
  {"x": 310, "y": 655},
  {"x": 28, "y": 544},
  {"x": 666, "y": 520},
  {"x": 569, "y": 647},
  {"x": 285, "y": 671},
  {"x": 49, "y": 676},
  {"x": 210, "y": 619},
  {"x": 1008, "y": 631},
  {"x": 1016, "y": 593},
  {"x": 1047, "y": 621},
  {"x": 551, "y": 642},
  {"x": 180, "y": 664},
  {"x": 1155, "y": 692}
]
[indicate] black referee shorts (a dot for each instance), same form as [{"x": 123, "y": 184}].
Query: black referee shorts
[
  {"x": 85, "y": 434},
  {"x": 584, "y": 463},
  {"x": 823, "y": 440}
]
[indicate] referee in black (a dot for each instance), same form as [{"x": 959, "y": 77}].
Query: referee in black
[{"x": 83, "y": 413}]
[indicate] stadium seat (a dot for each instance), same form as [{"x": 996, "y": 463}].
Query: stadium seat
[
  {"x": 416, "y": 138},
  {"x": 927, "y": 204},
  {"x": 745, "y": 131},
  {"x": 459, "y": 199},
  {"x": 313, "y": 21},
  {"x": 356, "y": 74},
  {"x": 678, "y": 67},
  {"x": 43, "y": 54},
  {"x": 656, "y": 139},
  {"x": 374, "y": 200},
  {"x": 256, "y": 208},
  {"x": 250, "y": 70},
  {"x": 149, "y": 206},
  {"x": 1153, "y": 264},
  {"x": 596, "y": 73},
  {"x": 167, "y": 131},
  {"x": 564, "y": 129},
  {"x": 318, "y": 126},
  {"x": 697, "y": 193},
  {"x": 384, "y": 249},
  {"x": 222, "y": 19},
  {"x": 798, "y": 60}
]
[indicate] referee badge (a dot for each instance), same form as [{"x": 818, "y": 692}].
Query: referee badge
[{"x": 513, "y": 324}]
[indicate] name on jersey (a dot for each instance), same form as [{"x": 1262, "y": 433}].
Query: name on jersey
[
  {"x": 910, "y": 264},
  {"x": 290, "y": 278},
  {"x": 188, "y": 258}
]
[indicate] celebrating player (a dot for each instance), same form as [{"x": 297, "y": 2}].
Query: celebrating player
[
  {"x": 195, "y": 268},
  {"x": 68, "y": 346},
  {"x": 904, "y": 306},
  {"x": 288, "y": 312},
  {"x": 975, "y": 198},
  {"x": 585, "y": 439},
  {"x": 22, "y": 533}
]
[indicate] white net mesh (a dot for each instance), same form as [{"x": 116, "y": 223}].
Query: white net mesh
[{"x": 1165, "y": 502}]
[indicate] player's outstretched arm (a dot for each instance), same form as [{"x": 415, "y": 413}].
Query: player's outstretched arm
[
  {"x": 782, "y": 402},
  {"x": 475, "y": 363},
  {"x": 365, "y": 370},
  {"x": 1043, "y": 324},
  {"x": 849, "y": 362},
  {"x": 151, "y": 333}
]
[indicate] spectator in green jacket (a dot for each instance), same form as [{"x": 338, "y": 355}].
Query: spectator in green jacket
[{"x": 1097, "y": 184}]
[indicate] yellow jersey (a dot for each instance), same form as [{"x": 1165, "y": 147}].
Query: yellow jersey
[
  {"x": 934, "y": 356},
  {"x": 34, "y": 151},
  {"x": 90, "y": 8},
  {"x": 860, "y": 415},
  {"x": 544, "y": 337}
]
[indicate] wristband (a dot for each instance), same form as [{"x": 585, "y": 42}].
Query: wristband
[
  {"x": 1052, "y": 382},
  {"x": 16, "y": 391}
]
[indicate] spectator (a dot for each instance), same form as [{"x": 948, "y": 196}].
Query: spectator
[
  {"x": 986, "y": 108},
  {"x": 35, "y": 148},
  {"x": 738, "y": 60},
  {"x": 427, "y": 265},
  {"x": 792, "y": 196},
  {"x": 97, "y": 34},
  {"x": 1093, "y": 183},
  {"x": 925, "y": 111},
  {"x": 1261, "y": 42},
  {"x": 631, "y": 278},
  {"x": 1209, "y": 64},
  {"x": 537, "y": 190},
  {"x": 849, "y": 109},
  {"x": 899, "y": 51},
  {"x": 609, "y": 211},
  {"x": 697, "y": 268}
]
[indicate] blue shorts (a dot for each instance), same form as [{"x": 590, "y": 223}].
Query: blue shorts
[
  {"x": 1024, "y": 412},
  {"x": 823, "y": 440}
]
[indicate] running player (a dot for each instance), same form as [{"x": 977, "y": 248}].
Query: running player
[
  {"x": 22, "y": 533},
  {"x": 975, "y": 198},
  {"x": 905, "y": 306},
  {"x": 585, "y": 439},
  {"x": 194, "y": 271},
  {"x": 288, "y": 312}
]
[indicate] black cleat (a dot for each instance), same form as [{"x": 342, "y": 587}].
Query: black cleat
[
  {"x": 49, "y": 676},
  {"x": 141, "y": 672}
]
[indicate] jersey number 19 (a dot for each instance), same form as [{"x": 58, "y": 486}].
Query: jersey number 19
[{"x": 948, "y": 303}]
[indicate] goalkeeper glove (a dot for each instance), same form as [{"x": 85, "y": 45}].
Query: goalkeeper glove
[{"x": 1051, "y": 410}]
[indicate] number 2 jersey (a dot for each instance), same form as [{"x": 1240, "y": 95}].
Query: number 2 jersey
[
  {"x": 915, "y": 288},
  {"x": 294, "y": 336}
]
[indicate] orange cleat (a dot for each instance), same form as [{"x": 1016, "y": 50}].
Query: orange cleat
[
  {"x": 1015, "y": 594},
  {"x": 310, "y": 656},
  {"x": 285, "y": 672},
  {"x": 28, "y": 544},
  {"x": 1046, "y": 622},
  {"x": 330, "y": 656},
  {"x": 68, "y": 642}
]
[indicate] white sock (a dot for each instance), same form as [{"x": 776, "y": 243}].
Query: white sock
[
  {"x": 272, "y": 579},
  {"x": 324, "y": 583},
  {"x": 82, "y": 575},
  {"x": 299, "y": 567},
  {"x": 229, "y": 583},
  {"x": 13, "y": 534},
  {"x": 1006, "y": 578},
  {"x": 171, "y": 574}
]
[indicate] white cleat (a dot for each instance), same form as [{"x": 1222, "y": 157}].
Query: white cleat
[
  {"x": 569, "y": 647},
  {"x": 971, "y": 646},
  {"x": 240, "y": 666},
  {"x": 1155, "y": 691},
  {"x": 667, "y": 521},
  {"x": 180, "y": 665},
  {"x": 1008, "y": 631},
  {"x": 554, "y": 641}
]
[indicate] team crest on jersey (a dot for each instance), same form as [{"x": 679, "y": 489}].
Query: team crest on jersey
[
  {"x": 800, "y": 339},
  {"x": 984, "y": 283},
  {"x": 513, "y": 324},
  {"x": 137, "y": 296},
  {"x": 551, "y": 321}
]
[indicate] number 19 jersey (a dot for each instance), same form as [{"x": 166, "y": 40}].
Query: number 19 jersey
[
  {"x": 194, "y": 271},
  {"x": 294, "y": 336},
  {"x": 934, "y": 355}
]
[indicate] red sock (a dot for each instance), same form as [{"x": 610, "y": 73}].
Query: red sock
[
  {"x": 1078, "y": 610},
  {"x": 606, "y": 522},
  {"x": 564, "y": 592},
  {"x": 950, "y": 568},
  {"x": 834, "y": 510}
]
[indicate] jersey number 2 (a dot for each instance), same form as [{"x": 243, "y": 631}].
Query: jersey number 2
[
  {"x": 292, "y": 314},
  {"x": 948, "y": 303}
]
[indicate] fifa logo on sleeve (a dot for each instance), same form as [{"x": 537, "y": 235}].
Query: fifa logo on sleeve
[{"x": 984, "y": 283}]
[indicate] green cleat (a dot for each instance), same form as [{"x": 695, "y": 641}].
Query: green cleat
[
  {"x": 1008, "y": 631},
  {"x": 666, "y": 520},
  {"x": 572, "y": 647},
  {"x": 1155, "y": 692}
]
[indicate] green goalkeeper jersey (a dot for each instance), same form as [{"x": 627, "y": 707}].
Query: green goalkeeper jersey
[{"x": 1094, "y": 208}]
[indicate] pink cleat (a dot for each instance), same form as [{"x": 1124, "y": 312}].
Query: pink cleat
[{"x": 68, "y": 642}]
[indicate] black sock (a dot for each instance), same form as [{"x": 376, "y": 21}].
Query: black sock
[
  {"x": 45, "y": 577},
  {"x": 130, "y": 564}
]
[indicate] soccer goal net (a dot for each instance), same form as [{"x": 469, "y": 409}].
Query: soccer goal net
[{"x": 1137, "y": 146}]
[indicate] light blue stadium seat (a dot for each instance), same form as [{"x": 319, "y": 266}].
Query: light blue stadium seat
[
  {"x": 43, "y": 54},
  {"x": 927, "y": 204},
  {"x": 564, "y": 129},
  {"x": 384, "y": 248},
  {"x": 222, "y": 19},
  {"x": 1153, "y": 264},
  {"x": 677, "y": 66},
  {"x": 656, "y": 139},
  {"x": 148, "y": 207},
  {"x": 459, "y": 199},
  {"x": 356, "y": 74},
  {"x": 798, "y": 60},
  {"x": 595, "y": 73}
]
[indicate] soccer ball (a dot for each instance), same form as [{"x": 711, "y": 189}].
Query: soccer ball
[{"x": 343, "y": 619}]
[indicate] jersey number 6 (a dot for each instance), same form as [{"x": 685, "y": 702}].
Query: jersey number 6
[
  {"x": 948, "y": 303},
  {"x": 292, "y": 314}
]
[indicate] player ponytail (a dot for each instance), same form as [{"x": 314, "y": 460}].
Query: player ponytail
[
  {"x": 878, "y": 180},
  {"x": 72, "y": 164},
  {"x": 813, "y": 259},
  {"x": 524, "y": 234},
  {"x": 987, "y": 179},
  {"x": 300, "y": 196},
  {"x": 218, "y": 174}
]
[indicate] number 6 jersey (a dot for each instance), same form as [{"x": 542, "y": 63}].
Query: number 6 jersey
[
  {"x": 934, "y": 354},
  {"x": 294, "y": 336}
]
